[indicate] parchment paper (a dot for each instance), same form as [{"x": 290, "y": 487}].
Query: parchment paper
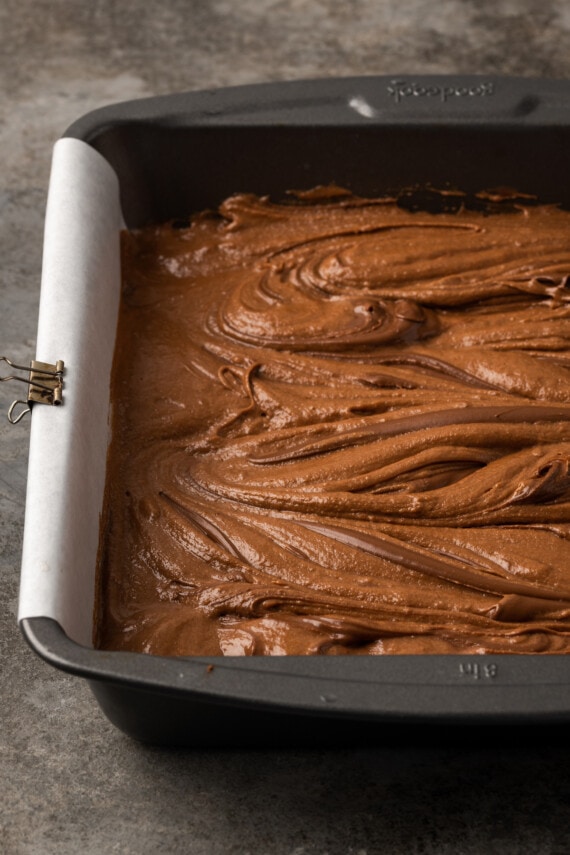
[{"x": 68, "y": 444}]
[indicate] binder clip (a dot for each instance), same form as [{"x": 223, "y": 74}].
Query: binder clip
[{"x": 45, "y": 386}]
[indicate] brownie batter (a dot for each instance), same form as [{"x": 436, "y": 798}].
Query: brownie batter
[{"x": 341, "y": 426}]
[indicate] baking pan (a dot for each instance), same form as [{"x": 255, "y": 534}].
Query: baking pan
[{"x": 161, "y": 158}]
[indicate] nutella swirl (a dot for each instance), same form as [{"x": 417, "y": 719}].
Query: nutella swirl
[{"x": 341, "y": 427}]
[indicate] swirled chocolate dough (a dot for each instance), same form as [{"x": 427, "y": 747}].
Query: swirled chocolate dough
[{"x": 341, "y": 427}]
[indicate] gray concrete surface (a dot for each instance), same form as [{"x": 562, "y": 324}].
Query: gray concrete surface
[{"x": 69, "y": 782}]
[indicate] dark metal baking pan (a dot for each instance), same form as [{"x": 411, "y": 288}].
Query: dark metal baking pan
[{"x": 182, "y": 153}]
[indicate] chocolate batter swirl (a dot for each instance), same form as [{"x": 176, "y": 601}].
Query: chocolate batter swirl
[{"x": 341, "y": 427}]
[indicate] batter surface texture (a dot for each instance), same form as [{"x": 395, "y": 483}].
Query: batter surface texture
[{"x": 341, "y": 426}]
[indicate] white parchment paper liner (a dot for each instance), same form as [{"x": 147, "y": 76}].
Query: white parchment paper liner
[{"x": 68, "y": 444}]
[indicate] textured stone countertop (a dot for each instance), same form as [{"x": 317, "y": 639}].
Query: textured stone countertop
[{"x": 70, "y": 781}]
